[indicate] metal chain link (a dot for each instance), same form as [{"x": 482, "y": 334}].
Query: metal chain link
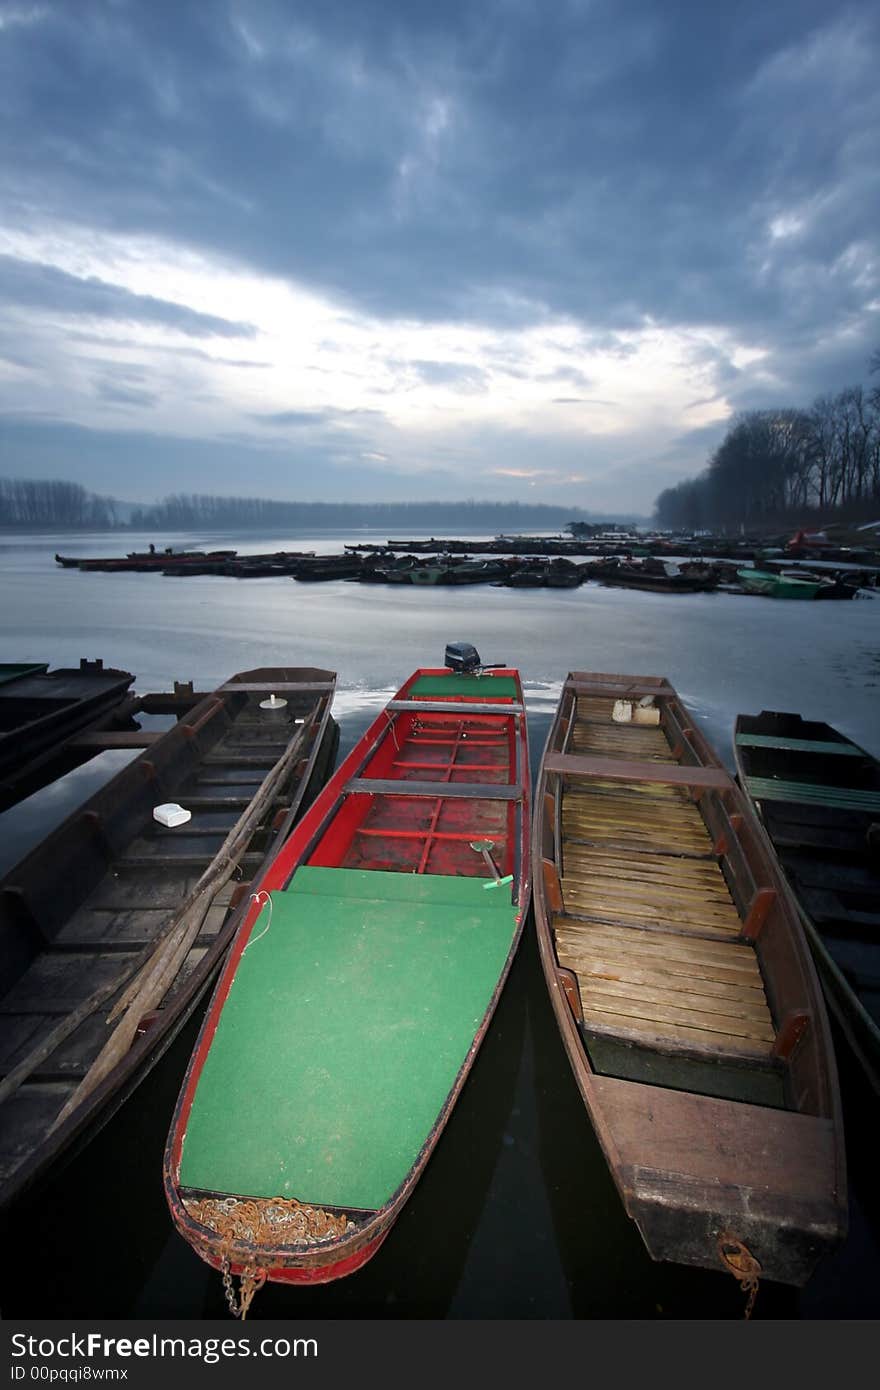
[
  {"x": 739, "y": 1260},
  {"x": 250, "y": 1283}
]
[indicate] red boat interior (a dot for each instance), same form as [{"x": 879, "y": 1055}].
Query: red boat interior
[{"x": 427, "y": 832}]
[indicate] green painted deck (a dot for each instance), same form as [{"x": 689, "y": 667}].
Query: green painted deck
[
  {"x": 486, "y": 687},
  {"x": 344, "y": 1030},
  {"x": 841, "y": 798}
]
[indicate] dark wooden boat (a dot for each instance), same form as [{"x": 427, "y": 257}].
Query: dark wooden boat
[
  {"x": 818, "y": 796},
  {"x": 39, "y": 707},
  {"x": 114, "y": 913},
  {"x": 353, "y": 1002},
  {"x": 326, "y": 567},
  {"x": 144, "y": 560},
  {"x": 684, "y": 989},
  {"x": 653, "y": 577}
]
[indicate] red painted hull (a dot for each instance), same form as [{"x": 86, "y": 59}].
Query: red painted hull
[
  {"x": 496, "y": 756},
  {"x": 315, "y": 1274}
]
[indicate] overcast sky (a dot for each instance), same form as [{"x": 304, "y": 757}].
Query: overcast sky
[{"x": 371, "y": 249}]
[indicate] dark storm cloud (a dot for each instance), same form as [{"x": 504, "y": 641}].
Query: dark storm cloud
[
  {"x": 680, "y": 164},
  {"x": 33, "y": 286},
  {"x": 607, "y": 161}
]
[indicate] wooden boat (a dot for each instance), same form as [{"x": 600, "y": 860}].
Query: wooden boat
[
  {"x": 654, "y": 577},
  {"x": 773, "y": 585},
  {"x": 113, "y": 912},
  {"x": 818, "y": 796},
  {"x": 354, "y": 1000},
  {"x": 323, "y": 567},
  {"x": 39, "y": 707},
  {"x": 684, "y": 989},
  {"x": 475, "y": 571},
  {"x": 144, "y": 560}
]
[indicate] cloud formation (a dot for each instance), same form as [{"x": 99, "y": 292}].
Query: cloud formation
[{"x": 489, "y": 245}]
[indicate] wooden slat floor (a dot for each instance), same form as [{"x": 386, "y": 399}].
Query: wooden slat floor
[{"x": 649, "y": 927}]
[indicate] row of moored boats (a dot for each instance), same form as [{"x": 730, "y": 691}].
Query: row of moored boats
[{"x": 360, "y": 927}]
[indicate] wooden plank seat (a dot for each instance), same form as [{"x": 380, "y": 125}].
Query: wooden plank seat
[
  {"x": 798, "y": 745},
  {"x": 454, "y": 707},
  {"x": 273, "y": 687},
  {"x": 619, "y": 690},
  {"x": 484, "y": 791},
  {"x": 626, "y": 770}
]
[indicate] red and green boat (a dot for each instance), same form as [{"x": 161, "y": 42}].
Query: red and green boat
[{"x": 359, "y": 988}]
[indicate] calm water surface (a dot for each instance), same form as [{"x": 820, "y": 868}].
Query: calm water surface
[{"x": 516, "y": 1215}]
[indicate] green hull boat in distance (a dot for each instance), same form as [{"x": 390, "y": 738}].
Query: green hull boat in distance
[
  {"x": 683, "y": 988},
  {"x": 358, "y": 990},
  {"x": 818, "y": 796},
  {"x": 778, "y": 585}
]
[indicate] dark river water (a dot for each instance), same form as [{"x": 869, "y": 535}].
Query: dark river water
[{"x": 516, "y": 1215}]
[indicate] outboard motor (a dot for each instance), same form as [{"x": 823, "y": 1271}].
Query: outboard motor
[{"x": 462, "y": 656}]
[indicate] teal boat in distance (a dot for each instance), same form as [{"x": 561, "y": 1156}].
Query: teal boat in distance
[{"x": 778, "y": 585}]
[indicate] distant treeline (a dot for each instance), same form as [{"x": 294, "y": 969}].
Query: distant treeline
[
  {"x": 781, "y": 467},
  {"x": 52, "y": 503},
  {"x": 49, "y": 502},
  {"x": 206, "y": 513}
]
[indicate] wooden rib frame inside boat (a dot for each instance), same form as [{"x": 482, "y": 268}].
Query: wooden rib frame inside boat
[
  {"x": 52, "y": 903},
  {"x": 683, "y": 987}
]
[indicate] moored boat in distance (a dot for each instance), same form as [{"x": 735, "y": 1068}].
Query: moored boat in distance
[
  {"x": 359, "y": 989},
  {"x": 39, "y": 708},
  {"x": 818, "y": 797},
  {"x": 124, "y": 913},
  {"x": 772, "y": 585},
  {"x": 683, "y": 988}
]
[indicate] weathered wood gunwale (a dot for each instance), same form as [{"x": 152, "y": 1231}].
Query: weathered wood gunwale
[
  {"x": 389, "y": 822},
  {"x": 683, "y": 988},
  {"x": 84, "y": 912},
  {"x": 818, "y": 796}
]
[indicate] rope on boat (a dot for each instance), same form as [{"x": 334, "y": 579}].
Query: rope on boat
[
  {"x": 739, "y": 1260},
  {"x": 255, "y": 898}
]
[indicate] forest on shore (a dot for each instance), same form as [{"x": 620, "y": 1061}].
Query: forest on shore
[{"x": 778, "y": 468}]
